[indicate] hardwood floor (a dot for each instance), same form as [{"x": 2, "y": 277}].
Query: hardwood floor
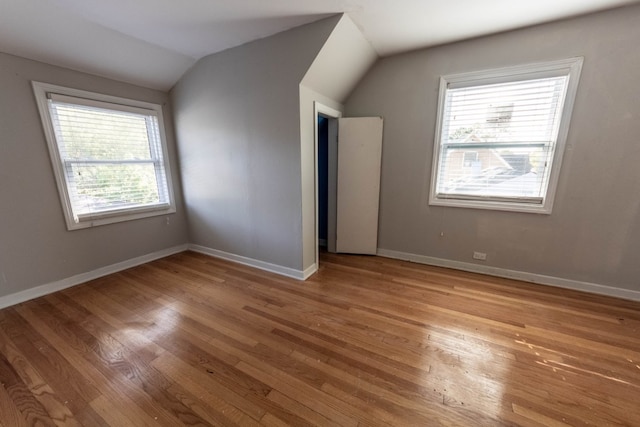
[{"x": 192, "y": 340}]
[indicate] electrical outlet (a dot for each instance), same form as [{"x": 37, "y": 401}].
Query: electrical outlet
[{"x": 480, "y": 255}]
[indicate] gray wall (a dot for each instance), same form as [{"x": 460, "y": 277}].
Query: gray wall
[
  {"x": 35, "y": 246},
  {"x": 238, "y": 122},
  {"x": 593, "y": 234}
]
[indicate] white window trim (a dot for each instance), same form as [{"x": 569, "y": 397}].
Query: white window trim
[
  {"x": 570, "y": 67},
  {"x": 41, "y": 91}
]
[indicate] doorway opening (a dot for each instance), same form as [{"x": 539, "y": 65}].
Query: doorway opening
[
  {"x": 326, "y": 178},
  {"x": 349, "y": 213},
  {"x": 323, "y": 180}
]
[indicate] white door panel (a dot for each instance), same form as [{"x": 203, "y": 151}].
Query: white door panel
[{"x": 359, "y": 158}]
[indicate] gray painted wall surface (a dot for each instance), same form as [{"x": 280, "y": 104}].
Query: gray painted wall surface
[
  {"x": 35, "y": 246},
  {"x": 593, "y": 233},
  {"x": 237, "y": 119}
]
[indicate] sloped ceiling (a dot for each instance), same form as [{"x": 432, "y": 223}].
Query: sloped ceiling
[
  {"x": 341, "y": 63},
  {"x": 153, "y": 42}
]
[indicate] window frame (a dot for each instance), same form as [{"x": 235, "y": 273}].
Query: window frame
[
  {"x": 42, "y": 92},
  {"x": 570, "y": 67}
]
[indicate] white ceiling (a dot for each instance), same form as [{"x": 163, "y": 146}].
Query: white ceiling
[{"x": 153, "y": 42}]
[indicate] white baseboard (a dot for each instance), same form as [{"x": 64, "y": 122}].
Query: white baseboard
[
  {"x": 22, "y": 296},
  {"x": 308, "y": 272},
  {"x": 513, "y": 274},
  {"x": 262, "y": 265},
  {"x": 49, "y": 288}
]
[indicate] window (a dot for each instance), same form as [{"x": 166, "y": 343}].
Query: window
[
  {"x": 469, "y": 159},
  {"x": 108, "y": 155},
  {"x": 500, "y": 136}
]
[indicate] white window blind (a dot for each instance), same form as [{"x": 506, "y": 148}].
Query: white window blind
[
  {"x": 110, "y": 157},
  {"x": 498, "y": 137}
]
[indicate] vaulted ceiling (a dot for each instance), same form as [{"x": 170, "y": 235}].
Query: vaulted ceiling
[{"x": 153, "y": 42}]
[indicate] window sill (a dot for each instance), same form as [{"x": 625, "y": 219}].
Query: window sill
[
  {"x": 104, "y": 218},
  {"x": 512, "y": 206}
]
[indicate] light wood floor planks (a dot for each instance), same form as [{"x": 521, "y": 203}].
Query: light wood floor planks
[{"x": 192, "y": 340}]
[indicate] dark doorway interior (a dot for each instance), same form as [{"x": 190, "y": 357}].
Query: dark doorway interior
[{"x": 323, "y": 179}]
